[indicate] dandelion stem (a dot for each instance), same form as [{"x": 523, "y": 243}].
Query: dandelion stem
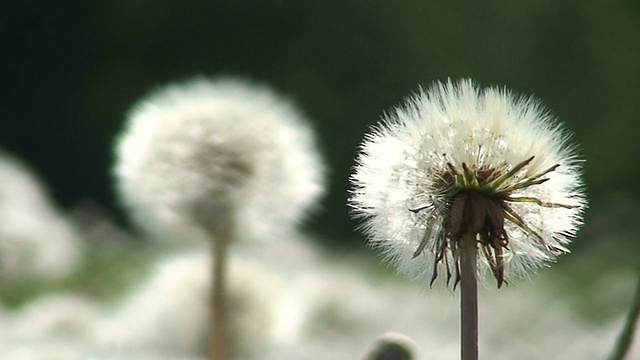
[
  {"x": 218, "y": 341},
  {"x": 626, "y": 336},
  {"x": 468, "y": 298}
]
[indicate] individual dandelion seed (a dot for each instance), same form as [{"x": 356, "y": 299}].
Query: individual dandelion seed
[
  {"x": 461, "y": 176},
  {"x": 225, "y": 160}
]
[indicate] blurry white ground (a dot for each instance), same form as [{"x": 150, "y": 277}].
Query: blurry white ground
[{"x": 290, "y": 304}]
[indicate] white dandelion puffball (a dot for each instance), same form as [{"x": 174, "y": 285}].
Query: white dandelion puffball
[
  {"x": 456, "y": 160},
  {"x": 36, "y": 240},
  {"x": 218, "y": 153}
]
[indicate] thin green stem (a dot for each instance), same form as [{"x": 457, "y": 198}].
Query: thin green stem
[
  {"x": 219, "y": 337},
  {"x": 624, "y": 340},
  {"x": 468, "y": 298}
]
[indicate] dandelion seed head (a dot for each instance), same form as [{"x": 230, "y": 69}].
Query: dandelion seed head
[
  {"x": 456, "y": 157},
  {"x": 214, "y": 153},
  {"x": 37, "y": 242},
  {"x": 392, "y": 345}
]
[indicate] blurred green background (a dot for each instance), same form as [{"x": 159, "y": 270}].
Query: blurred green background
[{"x": 70, "y": 70}]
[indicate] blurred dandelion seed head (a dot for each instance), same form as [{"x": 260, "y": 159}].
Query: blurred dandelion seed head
[
  {"x": 392, "y": 346},
  {"x": 457, "y": 159},
  {"x": 37, "y": 242},
  {"x": 215, "y": 153}
]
